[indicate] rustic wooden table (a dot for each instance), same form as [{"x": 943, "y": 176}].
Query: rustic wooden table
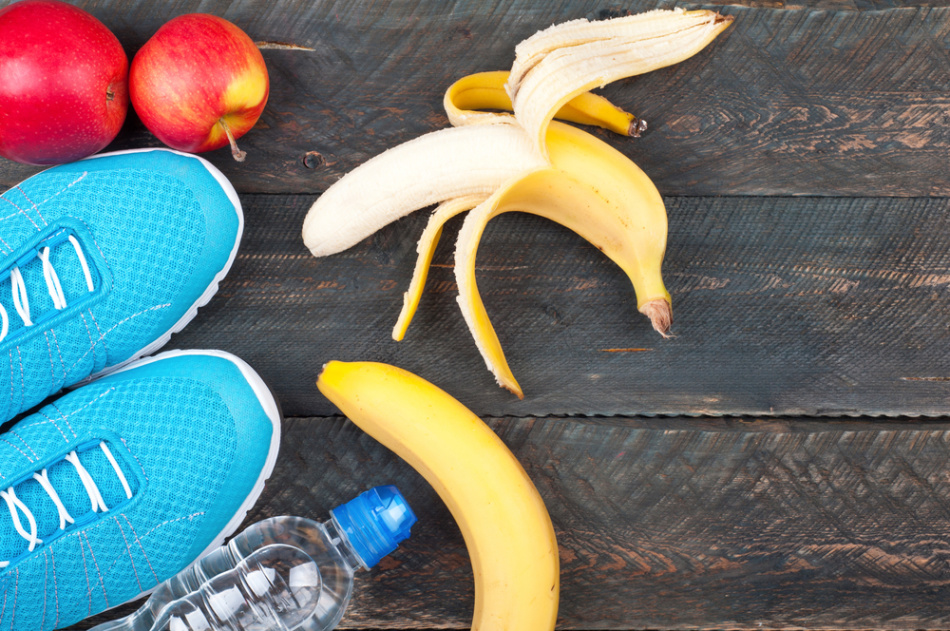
[{"x": 781, "y": 462}]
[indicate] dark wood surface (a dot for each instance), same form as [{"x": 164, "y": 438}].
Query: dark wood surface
[{"x": 781, "y": 462}]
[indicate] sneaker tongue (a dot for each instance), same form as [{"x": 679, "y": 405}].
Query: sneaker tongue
[{"x": 66, "y": 481}]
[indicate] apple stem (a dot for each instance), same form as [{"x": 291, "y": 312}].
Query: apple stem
[{"x": 235, "y": 152}]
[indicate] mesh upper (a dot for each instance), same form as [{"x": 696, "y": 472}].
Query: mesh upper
[
  {"x": 178, "y": 439},
  {"x": 146, "y": 218}
]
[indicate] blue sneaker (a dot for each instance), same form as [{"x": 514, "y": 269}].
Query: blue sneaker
[
  {"x": 101, "y": 260},
  {"x": 120, "y": 484}
]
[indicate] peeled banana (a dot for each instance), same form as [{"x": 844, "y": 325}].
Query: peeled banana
[
  {"x": 503, "y": 519},
  {"x": 438, "y": 166},
  {"x": 492, "y": 162}
]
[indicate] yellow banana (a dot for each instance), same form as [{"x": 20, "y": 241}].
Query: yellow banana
[
  {"x": 565, "y": 60},
  {"x": 503, "y": 519},
  {"x": 486, "y": 91},
  {"x": 491, "y": 163},
  {"x": 594, "y": 190}
]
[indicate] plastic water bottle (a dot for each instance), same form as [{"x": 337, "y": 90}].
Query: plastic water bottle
[{"x": 282, "y": 573}]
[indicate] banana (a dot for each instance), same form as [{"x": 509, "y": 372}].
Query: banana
[
  {"x": 565, "y": 60},
  {"x": 505, "y": 524},
  {"x": 490, "y": 163},
  {"x": 486, "y": 91},
  {"x": 586, "y": 185},
  {"x": 597, "y": 192},
  {"x": 435, "y": 167}
]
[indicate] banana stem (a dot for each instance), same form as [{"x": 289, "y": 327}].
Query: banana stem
[
  {"x": 637, "y": 127},
  {"x": 236, "y": 153}
]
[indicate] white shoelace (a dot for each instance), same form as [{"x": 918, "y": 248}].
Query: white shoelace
[
  {"x": 21, "y": 301},
  {"x": 17, "y": 506}
]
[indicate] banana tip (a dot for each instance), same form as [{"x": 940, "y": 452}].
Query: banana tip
[
  {"x": 660, "y": 313},
  {"x": 723, "y": 20},
  {"x": 637, "y": 127}
]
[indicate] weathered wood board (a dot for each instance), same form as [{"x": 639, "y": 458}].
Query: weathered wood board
[
  {"x": 803, "y": 161},
  {"x": 785, "y": 102},
  {"x": 678, "y": 524},
  {"x": 782, "y": 306}
]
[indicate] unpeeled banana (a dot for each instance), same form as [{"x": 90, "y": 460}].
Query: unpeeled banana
[
  {"x": 496, "y": 162},
  {"x": 505, "y": 524}
]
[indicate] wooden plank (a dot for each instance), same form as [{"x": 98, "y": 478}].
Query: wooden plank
[
  {"x": 832, "y": 102},
  {"x": 684, "y": 524},
  {"x": 782, "y": 306}
]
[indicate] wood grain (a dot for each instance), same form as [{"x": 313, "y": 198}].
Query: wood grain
[
  {"x": 782, "y": 306},
  {"x": 684, "y": 524},
  {"x": 708, "y": 481},
  {"x": 818, "y": 101}
]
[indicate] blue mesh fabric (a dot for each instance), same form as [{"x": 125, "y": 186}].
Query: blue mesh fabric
[
  {"x": 182, "y": 443},
  {"x": 158, "y": 227}
]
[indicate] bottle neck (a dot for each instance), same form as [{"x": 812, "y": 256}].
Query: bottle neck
[{"x": 339, "y": 539}]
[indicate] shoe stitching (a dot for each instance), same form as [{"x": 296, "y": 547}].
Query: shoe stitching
[
  {"x": 139, "y": 541},
  {"x": 46, "y": 422},
  {"x": 169, "y": 521},
  {"x": 14, "y": 432},
  {"x": 19, "y": 212},
  {"x": 4, "y": 440},
  {"x": 80, "y": 535},
  {"x": 102, "y": 583},
  {"x": 19, "y": 355},
  {"x": 65, "y": 188},
  {"x": 85, "y": 569},
  {"x": 11, "y": 215},
  {"x": 59, "y": 351},
  {"x": 126, "y": 445},
  {"x": 102, "y": 336},
  {"x": 23, "y": 211},
  {"x": 52, "y": 366},
  {"x": 92, "y": 344},
  {"x": 33, "y": 204},
  {"x": 129, "y": 550},
  {"x": 105, "y": 393},
  {"x": 63, "y": 417}
]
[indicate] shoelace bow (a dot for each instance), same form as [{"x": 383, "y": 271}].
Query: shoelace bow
[
  {"x": 17, "y": 506},
  {"x": 21, "y": 301}
]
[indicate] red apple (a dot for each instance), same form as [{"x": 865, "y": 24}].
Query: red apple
[
  {"x": 199, "y": 83},
  {"x": 63, "y": 83}
]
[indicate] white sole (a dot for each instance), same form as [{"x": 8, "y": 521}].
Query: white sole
[
  {"x": 212, "y": 289},
  {"x": 270, "y": 407}
]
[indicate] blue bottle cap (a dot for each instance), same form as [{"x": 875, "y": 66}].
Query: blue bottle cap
[{"x": 375, "y": 522}]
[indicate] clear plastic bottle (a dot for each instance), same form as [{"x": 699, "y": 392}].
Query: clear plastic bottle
[{"x": 282, "y": 573}]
